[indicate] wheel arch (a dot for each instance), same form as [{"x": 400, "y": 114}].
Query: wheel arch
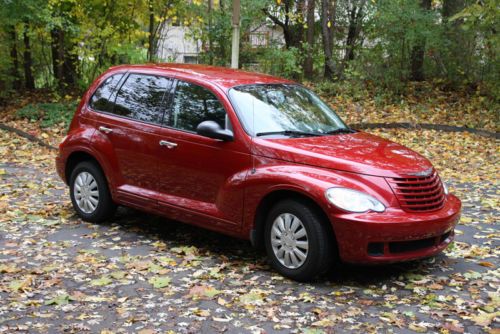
[
  {"x": 270, "y": 199},
  {"x": 74, "y": 159}
]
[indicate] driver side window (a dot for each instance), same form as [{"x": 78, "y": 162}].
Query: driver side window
[{"x": 194, "y": 104}]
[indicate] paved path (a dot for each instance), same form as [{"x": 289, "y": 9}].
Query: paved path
[{"x": 141, "y": 273}]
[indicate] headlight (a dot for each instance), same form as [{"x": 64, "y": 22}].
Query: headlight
[
  {"x": 445, "y": 188},
  {"x": 353, "y": 200}
]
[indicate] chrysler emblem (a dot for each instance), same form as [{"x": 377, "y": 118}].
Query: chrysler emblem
[{"x": 426, "y": 172}]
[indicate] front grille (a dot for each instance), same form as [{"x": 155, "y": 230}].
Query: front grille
[{"x": 418, "y": 193}]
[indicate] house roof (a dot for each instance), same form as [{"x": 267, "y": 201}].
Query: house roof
[{"x": 221, "y": 76}]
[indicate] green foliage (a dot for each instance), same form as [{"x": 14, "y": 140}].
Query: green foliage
[
  {"x": 481, "y": 21},
  {"x": 395, "y": 28},
  {"x": 459, "y": 52},
  {"x": 49, "y": 114},
  {"x": 213, "y": 29},
  {"x": 280, "y": 62}
]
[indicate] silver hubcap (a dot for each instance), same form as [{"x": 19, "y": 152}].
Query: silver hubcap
[
  {"x": 86, "y": 192},
  {"x": 289, "y": 240}
]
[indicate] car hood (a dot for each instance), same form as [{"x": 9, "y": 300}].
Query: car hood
[{"x": 358, "y": 152}]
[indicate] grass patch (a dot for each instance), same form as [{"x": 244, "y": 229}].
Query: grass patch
[{"x": 48, "y": 114}]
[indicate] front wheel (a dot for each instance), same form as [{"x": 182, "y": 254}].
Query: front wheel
[
  {"x": 90, "y": 193},
  {"x": 298, "y": 243}
]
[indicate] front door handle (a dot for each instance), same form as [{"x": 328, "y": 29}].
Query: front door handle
[
  {"x": 168, "y": 144},
  {"x": 105, "y": 129}
]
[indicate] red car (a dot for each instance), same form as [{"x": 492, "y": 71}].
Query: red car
[{"x": 256, "y": 157}]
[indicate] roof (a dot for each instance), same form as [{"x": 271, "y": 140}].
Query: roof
[{"x": 221, "y": 76}]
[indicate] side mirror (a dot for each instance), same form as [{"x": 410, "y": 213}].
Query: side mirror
[{"x": 213, "y": 130}]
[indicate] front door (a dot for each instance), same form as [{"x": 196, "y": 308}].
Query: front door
[{"x": 200, "y": 175}]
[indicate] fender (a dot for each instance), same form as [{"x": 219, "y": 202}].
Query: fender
[
  {"x": 79, "y": 141},
  {"x": 310, "y": 182}
]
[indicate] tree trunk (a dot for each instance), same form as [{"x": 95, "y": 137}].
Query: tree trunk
[
  {"x": 328, "y": 8},
  {"x": 457, "y": 49},
  {"x": 308, "y": 62},
  {"x": 293, "y": 36},
  {"x": 452, "y": 7},
  {"x": 64, "y": 62},
  {"x": 57, "y": 49},
  {"x": 293, "y": 32},
  {"x": 417, "y": 62},
  {"x": 28, "y": 62},
  {"x": 16, "y": 83},
  {"x": 355, "y": 25},
  {"x": 418, "y": 51},
  {"x": 151, "y": 39},
  {"x": 69, "y": 65},
  {"x": 222, "y": 46}
]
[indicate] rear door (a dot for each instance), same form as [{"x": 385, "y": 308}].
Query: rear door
[{"x": 131, "y": 127}]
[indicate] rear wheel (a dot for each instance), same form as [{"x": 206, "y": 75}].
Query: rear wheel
[
  {"x": 298, "y": 243},
  {"x": 90, "y": 193}
]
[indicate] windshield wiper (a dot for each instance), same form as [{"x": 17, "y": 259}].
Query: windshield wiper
[
  {"x": 288, "y": 133},
  {"x": 340, "y": 130}
]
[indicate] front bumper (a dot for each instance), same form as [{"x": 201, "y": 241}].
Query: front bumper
[{"x": 395, "y": 235}]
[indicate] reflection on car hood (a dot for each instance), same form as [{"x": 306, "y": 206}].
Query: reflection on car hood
[{"x": 357, "y": 152}]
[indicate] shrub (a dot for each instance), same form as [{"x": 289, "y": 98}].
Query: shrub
[
  {"x": 49, "y": 114},
  {"x": 281, "y": 62}
]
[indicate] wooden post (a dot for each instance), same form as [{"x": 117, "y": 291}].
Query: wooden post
[
  {"x": 210, "y": 42},
  {"x": 235, "y": 49}
]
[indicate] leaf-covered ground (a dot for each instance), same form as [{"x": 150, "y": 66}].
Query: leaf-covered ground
[
  {"x": 422, "y": 103},
  {"x": 141, "y": 273}
]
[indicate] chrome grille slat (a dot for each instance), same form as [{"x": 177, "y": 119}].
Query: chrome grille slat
[{"x": 418, "y": 193}]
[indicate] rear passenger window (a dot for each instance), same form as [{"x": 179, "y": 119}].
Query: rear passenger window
[
  {"x": 102, "y": 98},
  {"x": 194, "y": 104},
  {"x": 141, "y": 96}
]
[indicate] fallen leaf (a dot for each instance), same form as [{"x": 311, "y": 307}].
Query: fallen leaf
[{"x": 160, "y": 281}]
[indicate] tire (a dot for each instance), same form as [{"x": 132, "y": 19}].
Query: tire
[
  {"x": 97, "y": 205},
  {"x": 321, "y": 251}
]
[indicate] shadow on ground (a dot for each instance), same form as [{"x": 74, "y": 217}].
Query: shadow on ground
[{"x": 173, "y": 232}]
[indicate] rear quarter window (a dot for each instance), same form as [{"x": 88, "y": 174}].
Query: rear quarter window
[{"x": 102, "y": 100}]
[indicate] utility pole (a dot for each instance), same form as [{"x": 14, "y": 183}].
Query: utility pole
[
  {"x": 235, "y": 49},
  {"x": 210, "y": 42}
]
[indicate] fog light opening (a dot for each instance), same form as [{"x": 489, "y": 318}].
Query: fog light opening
[{"x": 376, "y": 249}]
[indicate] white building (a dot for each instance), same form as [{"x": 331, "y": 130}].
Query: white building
[{"x": 176, "y": 45}]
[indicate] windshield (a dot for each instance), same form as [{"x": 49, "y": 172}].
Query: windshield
[{"x": 284, "y": 109}]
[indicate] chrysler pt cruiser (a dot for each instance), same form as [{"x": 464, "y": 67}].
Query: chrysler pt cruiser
[{"x": 255, "y": 157}]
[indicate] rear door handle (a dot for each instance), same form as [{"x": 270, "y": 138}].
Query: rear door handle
[
  {"x": 168, "y": 144},
  {"x": 105, "y": 129}
]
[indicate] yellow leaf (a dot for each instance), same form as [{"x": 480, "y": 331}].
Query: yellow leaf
[
  {"x": 485, "y": 319},
  {"x": 486, "y": 264},
  {"x": 324, "y": 323},
  {"x": 147, "y": 331},
  {"x": 417, "y": 328}
]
